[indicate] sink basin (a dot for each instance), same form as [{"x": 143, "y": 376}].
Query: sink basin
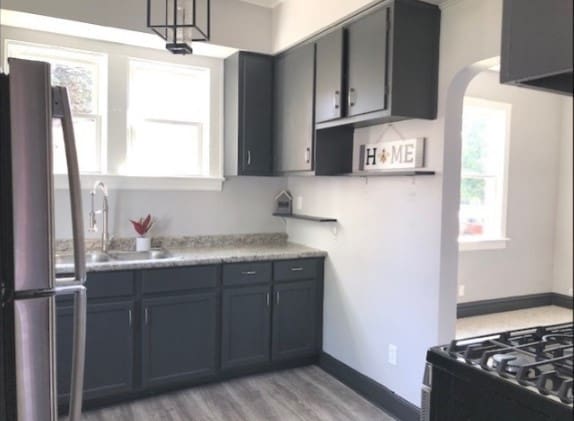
[
  {"x": 91, "y": 257},
  {"x": 99, "y": 257},
  {"x": 153, "y": 254}
]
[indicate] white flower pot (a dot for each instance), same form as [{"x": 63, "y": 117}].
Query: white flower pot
[{"x": 143, "y": 244}]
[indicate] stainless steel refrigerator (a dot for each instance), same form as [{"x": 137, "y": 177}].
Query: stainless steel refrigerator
[{"x": 28, "y": 283}]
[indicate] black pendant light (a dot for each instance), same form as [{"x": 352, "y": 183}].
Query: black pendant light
[{"x": 179, "y": 22}]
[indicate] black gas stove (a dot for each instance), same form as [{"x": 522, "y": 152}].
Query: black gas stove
[{"x": 516, "y": 375}]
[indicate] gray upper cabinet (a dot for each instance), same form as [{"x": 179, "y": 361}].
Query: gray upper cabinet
[
  {"x": 389, "y": 65},
  {"x": 367, "y": 63},
  {"x": 248, "y": 114},
  {"x": 294, "y": 106},
  {"x": 537, "y": 44},
  {"x": 329, "y": 101}
]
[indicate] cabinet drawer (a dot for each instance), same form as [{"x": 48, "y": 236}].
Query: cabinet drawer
[
  {"x": 178, "y": 279},
  {"x": 293, "y": 270},
  {"x": 246, "y": 273},
  {"x": 110, "y": 284}
]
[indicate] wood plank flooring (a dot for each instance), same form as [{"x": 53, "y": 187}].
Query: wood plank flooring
[{"x": 302, "y": 394}]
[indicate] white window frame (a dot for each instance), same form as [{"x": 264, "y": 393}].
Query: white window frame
[
  {"x": 83, "y": 56},
  {"x": 116, "y": 146},
  {"x": 204, "y": 133},
  {"x": 467, "y": 243}
]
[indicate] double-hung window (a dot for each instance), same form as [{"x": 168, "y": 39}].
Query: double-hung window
[
  {"x": 485, "y": 144},
  {"x": 168, "y": 119},
  {"x": 84, "y": 73}
]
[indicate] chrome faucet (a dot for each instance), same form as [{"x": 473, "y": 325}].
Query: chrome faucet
[{"x": 93, "y": 227}]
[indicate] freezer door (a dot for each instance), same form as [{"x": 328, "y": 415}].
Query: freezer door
[
  {"x": 34, "y": 322},
  {"x": 31, "y": 134}
]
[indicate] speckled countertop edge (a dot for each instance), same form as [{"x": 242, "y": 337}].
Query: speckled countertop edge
[{"x": 207, "y": 256}]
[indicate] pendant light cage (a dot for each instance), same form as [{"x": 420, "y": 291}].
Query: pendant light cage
[{"x": 180, "y": 22}]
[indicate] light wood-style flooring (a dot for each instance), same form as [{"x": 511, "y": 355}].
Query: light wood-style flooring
[
  {"x": 509, "y": 320},
  {"x": 302, "y": 394}
]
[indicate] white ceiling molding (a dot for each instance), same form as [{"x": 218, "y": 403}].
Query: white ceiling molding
[{"x": 264, "y": 3}]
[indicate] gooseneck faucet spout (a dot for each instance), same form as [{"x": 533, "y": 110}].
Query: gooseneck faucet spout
[{"x": 93, "y": 227}]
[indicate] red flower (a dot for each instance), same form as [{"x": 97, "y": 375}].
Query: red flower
[{"x": 143, "y": 225}]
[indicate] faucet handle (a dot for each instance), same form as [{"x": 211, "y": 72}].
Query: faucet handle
[{"x": 92, "y": 226}]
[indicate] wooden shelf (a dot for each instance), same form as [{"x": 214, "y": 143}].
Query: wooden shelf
[
  {"x": 390, "y": 173},
  {"x": 306, "y": 217}
]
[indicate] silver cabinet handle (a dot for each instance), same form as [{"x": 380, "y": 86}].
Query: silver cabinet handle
[
  {"x": 130, "y": 316},
  {"x": 61, "y": 110},
  {"x": 249, "y": 272},
  {"x": 146, "y": 315},
  {"x": 337, "y": 100},
  {"x": 307, "y": 155},
  {"x": 352, "y": 97},
  {"x": 268, "y": 300},
  {"x": 248, "y": 157},
  {"x": 297, "y": 269},
  {"x": 277, "y": 298}
]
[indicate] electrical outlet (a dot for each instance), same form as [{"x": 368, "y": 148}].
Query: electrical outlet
[
  {"x": 393, "y": 354},
  {"x": 461, "y": 290},
  {"x": 299, "y": 203}
]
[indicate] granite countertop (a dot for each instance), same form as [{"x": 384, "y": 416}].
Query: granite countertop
[{"x": 192, "y": 251}]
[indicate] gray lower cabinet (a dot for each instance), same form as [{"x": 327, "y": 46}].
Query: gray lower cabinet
[
  {"x": 179, "y": 338},
  {"x": 246, "y": 328},
  {"x": 295, "y": 320},
  {"x": 109, "y": 349}
]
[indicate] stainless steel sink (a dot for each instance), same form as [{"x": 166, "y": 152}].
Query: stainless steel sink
[
  {"x": 99, "y": 257},
  {"x": 154, "y": 254}
]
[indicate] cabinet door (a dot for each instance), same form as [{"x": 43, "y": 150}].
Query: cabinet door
[
  {"x": 536, "y": 40},
  {"x": 294, "y": 126},
  {"x": 246, "y": 326},
  {"x": 255, "y": 114},
  {"x": 329, "y": 77},
  {"x": 179, "y": 338},
  {"x": 295, "y": 319},
  {"x": 367, "y": 68},
  {"x": 109, "y": 350}
]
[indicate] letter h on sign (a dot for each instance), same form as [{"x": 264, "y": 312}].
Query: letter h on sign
[{"x": 371, "y": 157}]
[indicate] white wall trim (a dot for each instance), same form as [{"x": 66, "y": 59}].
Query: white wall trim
[
  {"x": 123, "y": 182},
  {"x": 264, "y": 3},
  {"x": 482, "y": 244}
]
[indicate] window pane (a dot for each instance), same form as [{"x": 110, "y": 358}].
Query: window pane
[
  {"x": 169, "y": 112},
  {"x": 83, "y": 74},
  {"x": 484, "y": 138},
  {"x": 80, "y": 81},
  {"x": 85, "y": 130},
  {"x": 166, "y": 149}
]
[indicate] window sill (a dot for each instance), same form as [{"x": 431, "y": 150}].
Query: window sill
[
  {"x": 127, "y": 182},
  {"x": 482, "y": 244}
]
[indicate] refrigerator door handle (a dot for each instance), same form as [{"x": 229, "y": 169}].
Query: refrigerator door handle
[{"x": 61, "y": 110}]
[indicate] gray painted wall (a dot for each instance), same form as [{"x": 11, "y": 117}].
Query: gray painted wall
[
  {"x": 563, "y": 277},
  {"x": 525, "y": 266},
  {"x": 235, "y": 23},
  {"x": 244, "y": 206}
]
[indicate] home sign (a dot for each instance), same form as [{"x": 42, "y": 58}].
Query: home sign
[{"x": 393, "y": 155}]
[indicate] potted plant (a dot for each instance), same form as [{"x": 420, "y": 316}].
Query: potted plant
[{"x": 142, "y": 227}]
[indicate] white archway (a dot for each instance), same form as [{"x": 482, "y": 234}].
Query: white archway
[{"x": 451, "y": 194}]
